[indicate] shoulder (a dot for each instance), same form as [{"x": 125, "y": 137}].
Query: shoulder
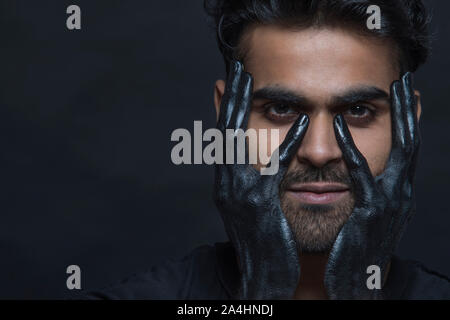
[
  {"x": 419, "y": 282},
  {"x": 191, "y": 277}
]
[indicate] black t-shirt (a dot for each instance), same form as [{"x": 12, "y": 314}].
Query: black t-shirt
[{"x": 210, "y": 272}]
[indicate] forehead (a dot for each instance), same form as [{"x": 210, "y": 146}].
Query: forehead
[{"x": 318, "y": 62}]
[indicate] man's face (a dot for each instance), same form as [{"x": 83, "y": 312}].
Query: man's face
[{"x": 320, "y": 72}]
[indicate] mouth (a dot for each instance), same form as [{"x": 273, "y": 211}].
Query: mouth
[{"x": 318, "y": 192}]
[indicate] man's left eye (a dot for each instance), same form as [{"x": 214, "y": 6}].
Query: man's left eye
[{"x": 358, "y": 111}]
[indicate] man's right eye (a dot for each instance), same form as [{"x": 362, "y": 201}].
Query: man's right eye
[{"x": 280, "y": 112}]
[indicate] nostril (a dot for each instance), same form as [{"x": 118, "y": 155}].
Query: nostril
[
  {"x": 319, "y": 146},
  {"x": 319, "y": 154}
]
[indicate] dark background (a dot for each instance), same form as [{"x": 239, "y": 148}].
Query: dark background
[{"x": 85, "y": 124}]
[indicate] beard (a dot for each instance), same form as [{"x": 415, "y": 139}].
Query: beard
[{"x": 316, "y": 226}]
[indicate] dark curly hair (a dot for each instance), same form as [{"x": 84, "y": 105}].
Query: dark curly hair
[{"x": 405, "y": 22}]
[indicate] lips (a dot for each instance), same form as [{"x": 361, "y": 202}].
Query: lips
[{"x": 318, "y": 192}]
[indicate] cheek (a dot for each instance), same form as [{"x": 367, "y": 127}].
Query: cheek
[
  {"x": 266, "y": 137},
  {"x": 375, "y": 144}
]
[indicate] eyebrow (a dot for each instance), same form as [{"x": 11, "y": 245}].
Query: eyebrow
[
  {"x": 349, "y": 96},
  {"x": 280, "y": 94},
  {"x": 358, "y": 94}
]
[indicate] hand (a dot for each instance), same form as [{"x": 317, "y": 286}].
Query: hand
[
  {"x": 249, "y": 203},
  {"x": 383, "y": 205}
]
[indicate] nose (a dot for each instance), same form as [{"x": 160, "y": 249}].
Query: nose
[{"x": 319, "y": 146}]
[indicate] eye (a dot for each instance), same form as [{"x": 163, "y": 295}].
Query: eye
[
  {"x": 359, "y": 111},
  {"x": 280, "y": 112},
  {"x": 360, "y": 115},
  {"x": 279, "y": 108}
]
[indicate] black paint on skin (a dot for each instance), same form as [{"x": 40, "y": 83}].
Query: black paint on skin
[
  {"x": 383, "y": 206},
  {"x": 249, "y": 203},
  {"x": 250, "y": 206}
]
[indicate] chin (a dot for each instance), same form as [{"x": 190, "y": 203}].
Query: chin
[{"x": 316, "y": 226}]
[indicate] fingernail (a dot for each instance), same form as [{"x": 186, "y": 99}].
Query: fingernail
[
  {"x": 408, "y": 79},
  {"x": 396, "y": 87},
  {"x": 235, "y": 65},
  {"x": 248, "y": 77},
  {"x": 338, "y": 120},
  {"x": 303, "y": 119},
  {"x": 239, "y": 65}
]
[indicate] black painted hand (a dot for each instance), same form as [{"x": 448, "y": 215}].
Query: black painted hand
[
  {"x": 383, "y": 205},
  {"x": 249, "y": 203}
]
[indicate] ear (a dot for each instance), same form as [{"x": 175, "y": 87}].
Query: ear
[
  {"x": 218, "y": 94},
  {"x": 419, "y": 104}
]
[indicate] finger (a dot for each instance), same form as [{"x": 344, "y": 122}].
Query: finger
[
  {"x": 244, "y": 102},
  {"x": 398, "y": 111},
  {"x": 412, "y": 123},
  {"x": 241, "y": 113},
  {"x": 229, "y": 98},
  {"x": 293, "y": 140},
  {"x": 356, "y": 163},
  {"x": 400, "y": 138},
  {"x": 411, "y": 108}
]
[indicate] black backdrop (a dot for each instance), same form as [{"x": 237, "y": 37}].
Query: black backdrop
[{"x": 85, "y": 124}]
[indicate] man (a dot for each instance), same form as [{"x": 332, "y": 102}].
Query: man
[{"x": 342, "y": 97}]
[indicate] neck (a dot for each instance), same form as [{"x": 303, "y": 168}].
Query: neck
[{"x": 311, "y": 284}]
